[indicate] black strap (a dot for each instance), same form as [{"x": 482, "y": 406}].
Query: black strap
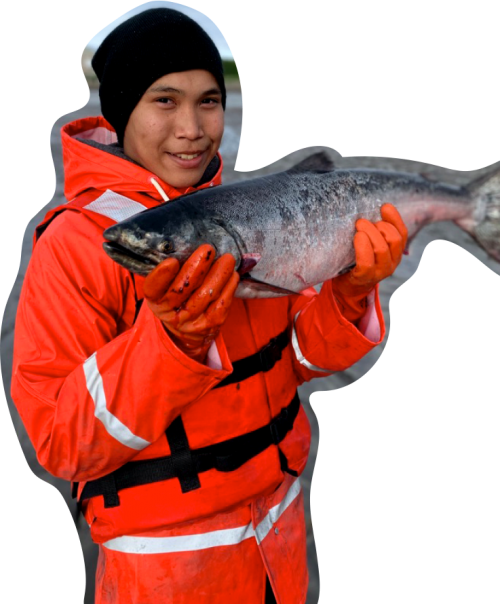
[
  {"x": 182, "y": 458},
  {"x": 184, "y": 463},
  {"x": 263, "y": 360},
  {"x": 225, "y": 456}
]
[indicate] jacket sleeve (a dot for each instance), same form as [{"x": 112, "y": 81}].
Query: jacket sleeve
[
  {"x": 323, "y": 340},
  {"x": 92, "y": 387}
]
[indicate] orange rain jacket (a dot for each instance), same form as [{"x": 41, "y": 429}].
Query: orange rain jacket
[{"x": 97, "y": 389}]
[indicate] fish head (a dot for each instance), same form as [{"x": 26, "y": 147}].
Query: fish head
[{"x": 143, "y": 241}]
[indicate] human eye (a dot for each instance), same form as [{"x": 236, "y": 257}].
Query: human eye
[
  {"x": 164, "y": 100},
  {"x": 210, "y": 101}
]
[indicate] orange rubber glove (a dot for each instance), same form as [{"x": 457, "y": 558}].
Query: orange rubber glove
[
  {"x": 379, "y": 248},
  {"x": 193, "y": 302}
]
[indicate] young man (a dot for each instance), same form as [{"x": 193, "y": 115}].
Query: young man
[{"x": 177, "y": 419}]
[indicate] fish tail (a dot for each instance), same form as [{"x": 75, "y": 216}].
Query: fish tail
[{"x": 484, "y": 224}]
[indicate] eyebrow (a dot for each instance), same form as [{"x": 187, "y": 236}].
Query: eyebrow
[{"x": 169, "y": 89}]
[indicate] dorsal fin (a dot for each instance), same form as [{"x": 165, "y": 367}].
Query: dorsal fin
[{"x": 317, "y": 162}]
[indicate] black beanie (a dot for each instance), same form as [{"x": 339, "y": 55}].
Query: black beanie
[{"x": 143, "y": 49}]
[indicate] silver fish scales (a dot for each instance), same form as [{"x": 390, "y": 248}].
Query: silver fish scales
[{"x": 290, "y": 230}]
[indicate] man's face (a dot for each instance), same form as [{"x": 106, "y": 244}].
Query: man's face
[{"x": 176, "y": 128}]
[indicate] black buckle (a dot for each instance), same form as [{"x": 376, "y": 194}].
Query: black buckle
[{"x": 270, "y": 355}]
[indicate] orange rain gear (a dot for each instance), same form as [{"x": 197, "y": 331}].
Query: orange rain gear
[{"x": 96, "y": 389}]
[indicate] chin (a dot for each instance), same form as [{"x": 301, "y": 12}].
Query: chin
[
  {"x": 184, "y": 181},
  {"x": 180, "y": 179}
]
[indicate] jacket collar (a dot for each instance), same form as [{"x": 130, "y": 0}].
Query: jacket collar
[{"x": 93, "y": 160}]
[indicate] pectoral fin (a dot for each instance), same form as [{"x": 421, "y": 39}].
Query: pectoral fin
[{"x": 262, "y": 286}]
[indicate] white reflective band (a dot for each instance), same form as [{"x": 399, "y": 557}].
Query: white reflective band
[
  {"x": 191, "y": 543},
  {"x": 298, "y": 353},
  {"x": 115, "y": 206},
  {"x": 274, "y": 513},
  {"x": 113, "y": 425},
  {"x": 184, "y": 543}
]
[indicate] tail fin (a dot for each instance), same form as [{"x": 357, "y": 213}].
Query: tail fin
[{"x": 484, "y": 226}]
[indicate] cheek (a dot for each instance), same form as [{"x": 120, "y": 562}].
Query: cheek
[
  {"x": 150, "y": 127},
  {"x": 149, "y": 136},
  {"x": 216, "y": 127},
  {"x": 145, "y": 122}
]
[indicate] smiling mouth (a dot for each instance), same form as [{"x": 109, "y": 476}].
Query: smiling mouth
[{"x": 187, "y": 156}]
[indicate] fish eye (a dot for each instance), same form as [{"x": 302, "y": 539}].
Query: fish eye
[{"x": 166, "y": 247}]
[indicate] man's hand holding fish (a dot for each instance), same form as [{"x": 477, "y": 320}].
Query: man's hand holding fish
[
  {"x": 379, "y": 248},
  {"x": 193, "y": 301}
]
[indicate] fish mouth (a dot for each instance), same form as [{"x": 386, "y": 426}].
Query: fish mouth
[{"x": 129, "y": 259}]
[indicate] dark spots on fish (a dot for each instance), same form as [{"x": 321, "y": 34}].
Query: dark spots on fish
[
  {"x": 304, "y": 194},
  {"x": 186, "y": 283},
  {"x": 238, "y": 386},
  {"x": 347, "y": 189},
  {"x": 209, "y": 255},
  {"x": 260, "y": 239},
  {"x": 288, "y": 212}
]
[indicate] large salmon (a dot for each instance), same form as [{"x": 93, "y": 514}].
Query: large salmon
[{"x": 294, "y": 229}]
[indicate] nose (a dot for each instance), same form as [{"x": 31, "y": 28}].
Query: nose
[{"x": 189, "y": 124}]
